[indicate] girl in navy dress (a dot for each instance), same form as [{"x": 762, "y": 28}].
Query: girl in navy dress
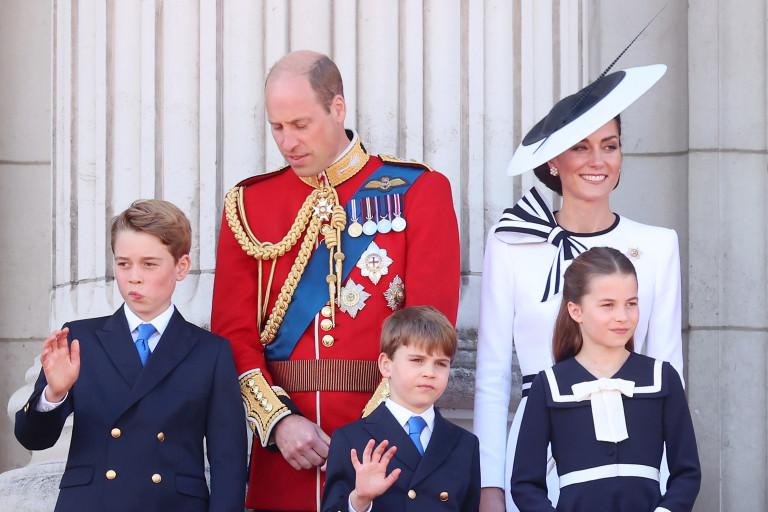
[{"x": 606, "y": 410}]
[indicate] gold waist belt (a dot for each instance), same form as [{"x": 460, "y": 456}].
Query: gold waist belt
[{"x": 325, "y": 375}]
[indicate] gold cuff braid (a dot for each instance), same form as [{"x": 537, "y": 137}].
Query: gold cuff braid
[{"x": 263, "y": 407}]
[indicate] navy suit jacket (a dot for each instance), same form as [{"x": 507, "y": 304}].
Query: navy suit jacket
[
  {"x": 446, "y": 477},
  {"x": 139, "y": 432}
]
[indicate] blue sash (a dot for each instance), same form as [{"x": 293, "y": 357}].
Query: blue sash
[{"x": 311, "y": 293}]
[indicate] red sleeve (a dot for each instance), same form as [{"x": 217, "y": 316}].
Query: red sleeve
[
  {"x": 233, "y": 314},
  {"x": 433, "y": 266}
]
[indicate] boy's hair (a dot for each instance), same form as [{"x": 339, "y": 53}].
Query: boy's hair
[
  {"x": 598, "y": 261},
  {"x": 159, "y": 218},
  {"x": 422, "y": 326}
]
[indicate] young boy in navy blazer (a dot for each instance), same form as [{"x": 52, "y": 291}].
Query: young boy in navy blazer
[
  {"x": 433, "y": 464},
  {"x": 148, "y": 389}
]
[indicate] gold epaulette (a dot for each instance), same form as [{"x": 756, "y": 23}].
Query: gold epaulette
[
  {"x": 388, "y": 159},
  {"x": 263, "y": 407},
  {"x": 378, "y": 397}
]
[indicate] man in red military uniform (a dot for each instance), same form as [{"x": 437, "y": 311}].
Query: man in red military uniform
[{"x": 311, "y": 259}]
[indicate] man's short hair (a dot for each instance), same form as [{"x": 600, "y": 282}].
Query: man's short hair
[
  {"x": 159, "y": 218},
  {"x": 321, "y": 72},
  {"x": 421, "y": 326},
  {"x": 325, "y": 79}
]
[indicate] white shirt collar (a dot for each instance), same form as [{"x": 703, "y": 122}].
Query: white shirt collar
[
  {"x": 160, "y": 321},
  {"x": 402, "y": 414}
]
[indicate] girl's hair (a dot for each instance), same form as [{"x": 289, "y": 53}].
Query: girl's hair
[
  {"x": 598, "y": 261},
  {"x": 553, "y": 182}
]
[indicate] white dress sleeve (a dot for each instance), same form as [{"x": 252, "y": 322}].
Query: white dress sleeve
[
  {"x": 664, "y": 339},
  {"x": 493, "y": 377}
]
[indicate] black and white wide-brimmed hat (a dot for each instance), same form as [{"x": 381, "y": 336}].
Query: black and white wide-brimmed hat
[{"x": 577, "y": 116}]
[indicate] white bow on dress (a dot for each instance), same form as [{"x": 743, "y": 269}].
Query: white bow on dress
[{"x": 607, "y": 406}]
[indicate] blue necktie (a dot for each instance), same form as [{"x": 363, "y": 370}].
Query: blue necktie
[
  {"x": 145, "y": 331},
  {"x": 415, "y": 425}
]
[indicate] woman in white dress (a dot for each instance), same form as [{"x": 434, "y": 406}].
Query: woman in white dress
[{"x": 575, "y": 151}]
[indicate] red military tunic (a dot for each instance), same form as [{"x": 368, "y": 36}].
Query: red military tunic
[{"x": 425, "y": 256}]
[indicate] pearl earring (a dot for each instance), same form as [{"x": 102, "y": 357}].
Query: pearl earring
[{"x": 553, "y": 170}]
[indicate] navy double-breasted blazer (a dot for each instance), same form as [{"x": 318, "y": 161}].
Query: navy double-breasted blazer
[
  {"x": 139, "y": 433},
  {"x": 445, "y": 478}
]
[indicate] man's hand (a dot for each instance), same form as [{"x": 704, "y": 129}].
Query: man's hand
[
  {"x": 492, "y": 499},
  {"x": 61, "y": 364},
  {"x": 303, "y": 444},
  {"x": 371, "y": 479}
]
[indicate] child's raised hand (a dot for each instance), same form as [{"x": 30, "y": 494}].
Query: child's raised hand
[
  {"x": 371, "y": 479},
  {"x": 61, "y": 364}
]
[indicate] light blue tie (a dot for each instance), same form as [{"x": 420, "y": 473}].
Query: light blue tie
[
  {"x": 145, "y": 331},
  {"x": 415, "y": 425}
]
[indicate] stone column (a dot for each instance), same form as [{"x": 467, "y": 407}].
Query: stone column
[{"x": 728, "y": 244}]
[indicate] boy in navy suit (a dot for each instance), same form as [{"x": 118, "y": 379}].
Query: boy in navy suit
[
  {"x": 147, "y": 388},
  {"x": 434, "y": 464}
]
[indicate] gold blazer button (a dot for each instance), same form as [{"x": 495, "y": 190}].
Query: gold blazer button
[
  {"x": 111, "y": 475},
  {"x": 161, "y": 437},
  {"x": 157, "y": 478},
  {"x": 328, "y": 340},
  {"x": 116, "y": 433},
  {"x": 443, "y": 496},
  {"x": 412, "y": 494}
]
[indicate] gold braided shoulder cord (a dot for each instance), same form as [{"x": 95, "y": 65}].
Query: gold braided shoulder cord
[{"x": 235, "y": 212}]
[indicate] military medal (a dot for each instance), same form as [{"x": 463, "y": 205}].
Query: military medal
[
  {"x": 383, "y": 225},
  {"x": 398, "y": 223},
  {"x": 323, "y": 209},
  {"x": 353, "y": 298},
  {"x": 355, "y": 229},
  {"x": 374, "y": 263},
  {"x": 395, "y": 294},
  {"x": 369, "y": 228}
]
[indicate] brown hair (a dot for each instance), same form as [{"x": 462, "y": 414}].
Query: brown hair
[
  {"x": 421, "y": 326},
  {"x": 553, "y": 182},
  {"x": 159, "y": 218},
  {"x": 321, "y": 72},
  {"x": 598, "y": 261},
  {"x": 325, "y": 79}
]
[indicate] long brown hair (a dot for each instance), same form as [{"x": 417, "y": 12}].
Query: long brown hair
[{"x": 598, "y": 261}]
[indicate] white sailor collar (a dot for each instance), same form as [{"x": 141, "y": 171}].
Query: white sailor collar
[{"x": 647, "y": 375}]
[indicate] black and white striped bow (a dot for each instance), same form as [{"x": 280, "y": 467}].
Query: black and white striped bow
[{"x": 533, "y": 216}]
